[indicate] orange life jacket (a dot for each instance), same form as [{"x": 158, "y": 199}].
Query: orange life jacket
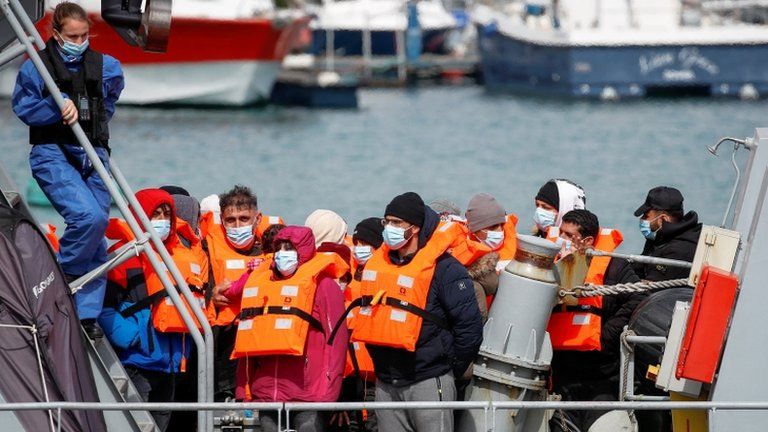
[
  {"x": 469, "y": 250},
  {"x": 578, "y": 328},
  {"x": 227, "y": 263},
  {"x": 358, "y": 360},
  {"x": 276, "y": 314},
  {"x": 50, "y": 234},
  {"x": 394, "y": 298},
  {"x": 191, "y": 262}
]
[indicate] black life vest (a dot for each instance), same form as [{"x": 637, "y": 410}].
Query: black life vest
[{"x": 86, "y": 83}]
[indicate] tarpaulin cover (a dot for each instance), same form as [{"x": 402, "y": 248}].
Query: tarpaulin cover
[{"x": 34, "y": 294}]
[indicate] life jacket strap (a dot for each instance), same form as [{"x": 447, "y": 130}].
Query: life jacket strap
[
  {"x": 252, "y": 312},
  {"x": 150, "y": 300}
]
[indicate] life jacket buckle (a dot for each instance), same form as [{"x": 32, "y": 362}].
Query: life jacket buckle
[{"x": 377, "y": 298}]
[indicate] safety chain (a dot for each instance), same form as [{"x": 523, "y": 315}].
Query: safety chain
[{"x": 602, "y": 290}]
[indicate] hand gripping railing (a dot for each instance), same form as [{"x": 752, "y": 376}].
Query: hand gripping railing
[{"x": 24, "y": 28}]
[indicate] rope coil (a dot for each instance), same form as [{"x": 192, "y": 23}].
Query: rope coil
[{"x": 602, "y": 290}]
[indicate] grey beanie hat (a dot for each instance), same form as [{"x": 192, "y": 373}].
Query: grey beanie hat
[
  {"x": 188, "y": 209},
  {"x": 484, "y": 211}
]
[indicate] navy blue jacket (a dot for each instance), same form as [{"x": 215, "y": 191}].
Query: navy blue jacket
[{"x": 438, "y": 351}]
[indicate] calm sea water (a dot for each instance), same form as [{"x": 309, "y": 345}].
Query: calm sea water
[{"x": 441, "y": 142}]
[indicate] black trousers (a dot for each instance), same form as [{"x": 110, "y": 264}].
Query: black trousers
[{"x": 154, "y": 387}]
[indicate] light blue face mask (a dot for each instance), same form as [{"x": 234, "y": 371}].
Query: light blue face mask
[
  {"x": 363, "y": 253},
  {"x": 563, "y": 243},
  {"x": 544, "y": 218},
  {"x": 286, "y": 262},
  {"x": 73, "y": 49},
  {"x": 394, "y": 237},
  {"x": 645, "y": 229},
  {"x": 240, "y": 236},
  {"x": 494, "y": 239},
  {"x": 163, "y": 228}
]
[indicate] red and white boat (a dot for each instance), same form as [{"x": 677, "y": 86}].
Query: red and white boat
[{"x": 220, "y": 52}]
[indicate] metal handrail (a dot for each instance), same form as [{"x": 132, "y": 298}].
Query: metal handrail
[{"x": 204, "y": 341}]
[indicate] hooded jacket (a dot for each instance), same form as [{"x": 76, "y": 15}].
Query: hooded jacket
[
  {"x": 316, "y": 376},
  {"x": 676, "y": 240},
  {"x": 134, "y": 338},
  {"x": 438, "y": 351}
]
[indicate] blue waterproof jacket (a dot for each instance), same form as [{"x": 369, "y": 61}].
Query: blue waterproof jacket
[
  {"x": 35, "y": 110},
  {"x": 438, "y": 351},
  {"x": 138, "y": 344}
]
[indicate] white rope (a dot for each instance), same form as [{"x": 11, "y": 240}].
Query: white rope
[
  {"x": 602, "y": 290},
  {"x": 42, "y": 376}
]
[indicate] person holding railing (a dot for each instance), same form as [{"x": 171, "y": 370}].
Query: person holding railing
[{"x": 91, "y": 83}]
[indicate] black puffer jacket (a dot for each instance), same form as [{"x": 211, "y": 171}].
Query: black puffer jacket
[
  {"x": 438, "y": 351},
  {"x": 674, "y": 241}
]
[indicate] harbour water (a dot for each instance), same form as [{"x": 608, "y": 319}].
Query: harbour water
[{"x": 439, "y": 141}]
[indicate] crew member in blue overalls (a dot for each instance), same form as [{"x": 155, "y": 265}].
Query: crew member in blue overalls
[{"x": 91, "y": 83}]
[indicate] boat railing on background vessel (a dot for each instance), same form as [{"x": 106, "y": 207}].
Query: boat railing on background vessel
[{"x": 154, "y": 25}]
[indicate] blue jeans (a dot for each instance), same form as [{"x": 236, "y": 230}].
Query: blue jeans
[{"x": 84, "y": 205}]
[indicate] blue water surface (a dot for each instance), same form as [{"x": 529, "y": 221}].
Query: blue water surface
[{"x": 440, "y": 142}]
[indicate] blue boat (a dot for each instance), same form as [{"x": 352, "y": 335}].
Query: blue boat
[{"x": 545, "y": 55}]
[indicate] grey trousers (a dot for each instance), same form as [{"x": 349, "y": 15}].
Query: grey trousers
[
  {"x": 302, "y": 421},
  {"x": 441, "y": 388}
]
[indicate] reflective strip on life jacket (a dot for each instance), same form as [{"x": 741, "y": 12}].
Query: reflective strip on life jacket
[
  {"x": 578, "y": 328},
  {"x": 394, "y": 298},
  {"x": 277, "y": 314}
]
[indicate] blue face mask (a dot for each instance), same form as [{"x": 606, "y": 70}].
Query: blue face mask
[
  {"x": 494, "y": 239},
  {"x": 645, "y": 229},
  {"x": 163, "y": 228},
  {"x": 240, "y": 236},
  {"x": 363, "y": 253},
  {"x": 71, "y": 48},
  {"x": 286, "y": 262},
  {"x": 544, "y": 218},
  {"x": 563, "y": 243},
  {"x": 394, "y": 237}
]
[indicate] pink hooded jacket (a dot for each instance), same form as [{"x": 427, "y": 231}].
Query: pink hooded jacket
[{"x": 316, "y": 376}]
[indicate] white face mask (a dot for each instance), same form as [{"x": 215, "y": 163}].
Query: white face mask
[
  {"x": 286, "y": 262},
  {"x": 363, "y": 253},
  {"x": 240, "y": 236},
  {"x": 494, "y": 239},
  {"x": 544, "y": 218},
  {"x": 163, "y": 228}
]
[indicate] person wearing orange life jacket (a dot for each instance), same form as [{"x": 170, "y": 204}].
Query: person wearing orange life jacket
[
  {"x": 554, "y": 199},
  {"x": 285, "y": 354},
  {"x": 586, "y": 338},
  {"x": 490, "y": 245},
  {"x": 231, "y": 245},
  {"x": 359, "y": 377},
  {"x": 152, "y": 358},
  {"x": 418, "y": 317}
]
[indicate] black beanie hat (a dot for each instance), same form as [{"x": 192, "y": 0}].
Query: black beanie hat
[
  {"x": 174, "y": 190},
  {"x": 408, "y": 207},
  {"x": 549, "y": 194},
  {"x": 369, "y": 230}
]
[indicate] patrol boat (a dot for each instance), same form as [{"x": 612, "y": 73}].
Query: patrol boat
[
  {"x": 713, "y": 340},
  {"x": 613, "y": 49}
]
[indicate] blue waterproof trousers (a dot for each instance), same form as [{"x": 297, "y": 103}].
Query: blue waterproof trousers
[{"x": 84, "y": 205}]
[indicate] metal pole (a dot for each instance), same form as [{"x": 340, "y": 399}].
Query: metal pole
[
  {"x": 121, "y": 204},
  {"x": 367, "y": 45},
  {"x": 641, "y": 259},
  {"x": 400, "y": 52},
  {"x": 11, "y": 53},
  {"x": 204, "y": 355},
  {"x": 122, "y": 256}
]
